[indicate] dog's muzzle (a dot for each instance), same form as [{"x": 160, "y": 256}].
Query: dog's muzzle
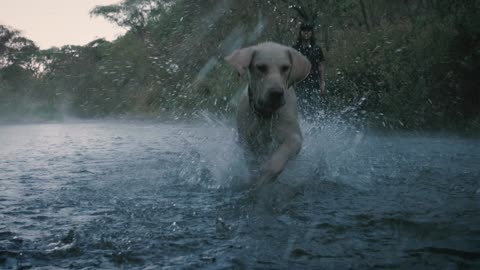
[
  {"x": 274, "y": 99},
  {"x": 265, "y": 107}
]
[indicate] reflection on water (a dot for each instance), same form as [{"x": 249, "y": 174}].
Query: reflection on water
[{"x": 141, "y": 194}]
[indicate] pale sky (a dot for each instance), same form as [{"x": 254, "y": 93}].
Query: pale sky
[{"x": 58, "y": 22}]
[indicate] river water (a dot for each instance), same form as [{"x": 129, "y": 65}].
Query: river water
[{"x": 150, "y": 195}]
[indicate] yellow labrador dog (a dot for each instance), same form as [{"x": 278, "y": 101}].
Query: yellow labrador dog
[{"x": 267, "y": 118}]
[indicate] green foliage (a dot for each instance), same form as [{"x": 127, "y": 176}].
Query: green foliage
[
  {"x": 410, "y": 74},
  {"x": 133, "y": 14}
]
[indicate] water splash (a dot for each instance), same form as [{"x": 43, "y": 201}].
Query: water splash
[
  {"x": 329, "y": 153},
  {"x": 215, "y": 160},
  {"x": 330, "y": 149}
]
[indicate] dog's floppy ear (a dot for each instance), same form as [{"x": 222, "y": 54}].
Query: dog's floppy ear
[
  {"x": 300, "y": 66},
  {"x": 240, "y": 59}
]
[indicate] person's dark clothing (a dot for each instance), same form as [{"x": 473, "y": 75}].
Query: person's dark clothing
[
  {"x": 308, "y": 90},
  {"x": 315, "y": 55}
]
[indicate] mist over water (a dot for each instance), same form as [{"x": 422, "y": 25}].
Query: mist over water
[{"x": 142, "y": 194}]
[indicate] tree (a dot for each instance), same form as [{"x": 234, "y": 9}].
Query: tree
[
  {"x": 134, "y": 15},
  {"x": 15, "y": 49}
]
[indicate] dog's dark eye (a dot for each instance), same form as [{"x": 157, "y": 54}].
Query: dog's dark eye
[
  {"x": 284, "y": 69},
  {"x": 262, "y": 68}
]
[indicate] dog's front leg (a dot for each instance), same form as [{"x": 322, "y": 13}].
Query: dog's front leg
[{"x": 288, "y": 149}]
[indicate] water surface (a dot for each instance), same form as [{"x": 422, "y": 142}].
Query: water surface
[{"x": 147, "y": 195}]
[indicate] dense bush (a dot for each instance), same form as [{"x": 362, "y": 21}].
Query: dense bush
[{"x": 410, "y": 75}]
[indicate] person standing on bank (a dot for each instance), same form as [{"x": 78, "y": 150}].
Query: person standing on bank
[{"x": 310, "y": 90}]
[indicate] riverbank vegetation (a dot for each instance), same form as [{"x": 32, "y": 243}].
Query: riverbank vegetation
[{"x": 410, "y": 65}]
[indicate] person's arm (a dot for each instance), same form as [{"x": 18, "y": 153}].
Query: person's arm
[{"x": 321, "y": 69}]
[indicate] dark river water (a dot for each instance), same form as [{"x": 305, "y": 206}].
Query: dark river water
[{"x": 149, "y": 195}]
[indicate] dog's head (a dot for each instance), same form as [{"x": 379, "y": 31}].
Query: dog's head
[{"x": 272, "y": 68}]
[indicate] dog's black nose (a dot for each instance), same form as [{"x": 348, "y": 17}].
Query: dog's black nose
[{"x": 275, "y": 96}]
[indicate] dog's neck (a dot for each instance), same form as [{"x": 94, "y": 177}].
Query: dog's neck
[{"x": 258, "y": 112}]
